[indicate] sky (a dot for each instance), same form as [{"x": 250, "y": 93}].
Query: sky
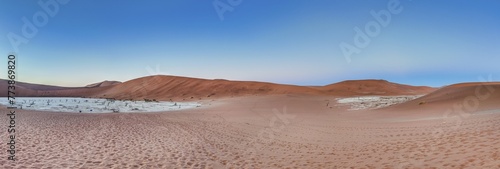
[{"x": 416, "y": 42}]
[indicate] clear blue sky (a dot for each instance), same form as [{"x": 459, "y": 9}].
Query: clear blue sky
[{"x": 293, "y": 42}]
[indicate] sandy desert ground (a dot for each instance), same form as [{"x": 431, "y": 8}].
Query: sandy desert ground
[{"x": 272, "y": 131}]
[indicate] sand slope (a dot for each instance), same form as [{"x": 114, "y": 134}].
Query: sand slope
[{"x": 461, "y": 100}]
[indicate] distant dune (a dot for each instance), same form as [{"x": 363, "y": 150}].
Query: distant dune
[
  {"x": 28, "y": 89},
  {"x": 39, "y": 90},
  {"x": 184, "y": 88},
  {"x": 373, "y": 87}
]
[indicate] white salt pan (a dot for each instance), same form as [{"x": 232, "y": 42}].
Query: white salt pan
[
  {"x": 374, "y": 102},
  {"x": 87, "y": 105}
]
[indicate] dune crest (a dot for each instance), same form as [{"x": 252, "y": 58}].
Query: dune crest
[{"x": 103, "y": 84}]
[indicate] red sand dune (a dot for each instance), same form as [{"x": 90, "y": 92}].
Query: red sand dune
[
  {"x": 172, "y": 87},
  {"x": 184, "y": 88}
]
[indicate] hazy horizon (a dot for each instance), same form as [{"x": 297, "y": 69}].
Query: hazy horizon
[
  {"x": 424, "y": 43},
  {"x": 482, "y": 79}
]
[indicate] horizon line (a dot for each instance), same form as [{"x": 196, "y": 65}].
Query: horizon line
[{"x": 367, "y": 79}]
